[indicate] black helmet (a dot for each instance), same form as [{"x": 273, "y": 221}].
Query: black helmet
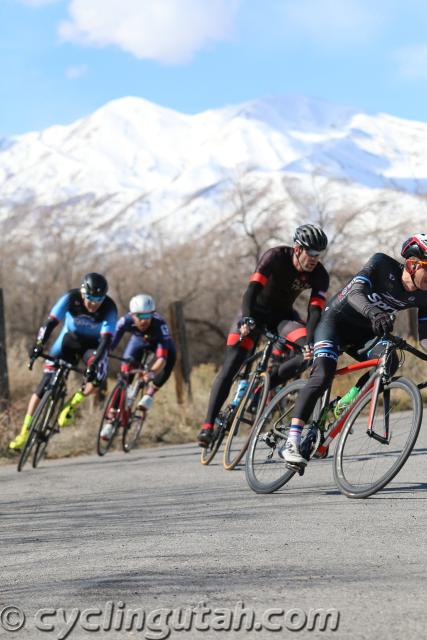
[
  {"x": 94, "y": 285},
  {"x": 415, "y": 247},
  {"x": 310, "y": 236}
]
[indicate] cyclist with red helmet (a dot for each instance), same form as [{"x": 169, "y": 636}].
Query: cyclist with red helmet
[
  {"x": 281, "y": 275},
  {"x": 363, "y": 309},
  {"x": 89, "y": 320}
]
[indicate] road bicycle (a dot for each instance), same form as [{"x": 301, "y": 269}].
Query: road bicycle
[
  {"x": 247, "y": 397},
  {"x": 121, "y": 410},
  {"x": 378, "y": 430},
  {"x": 45, "y": 420}
]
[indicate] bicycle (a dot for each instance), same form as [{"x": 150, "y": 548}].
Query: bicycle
[
  {"x": 376, "y": 437},
  {"x": 45, "y": 420},
  {"x": 249, "y": 394},
  {"x": 121, "y": 408}
]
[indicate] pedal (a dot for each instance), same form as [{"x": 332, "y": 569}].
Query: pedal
[{"x": 293, "y": 467}]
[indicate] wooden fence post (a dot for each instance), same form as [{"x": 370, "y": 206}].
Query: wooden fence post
[
  {"x": 182, "y": 367},
  {"x": 4, "y": 377}
]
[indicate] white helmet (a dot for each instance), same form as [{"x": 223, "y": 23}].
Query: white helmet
[{"x": 142, "y": 303}]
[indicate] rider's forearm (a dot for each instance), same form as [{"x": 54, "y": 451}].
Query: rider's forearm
[
  {"x": 314, "y": 313},
  {"x": 45, "y": 331},
  {"x": 102, "y": 348},
  {"x": 358, "y": 299},
  {"x": 158, "y": 365},
  {"x": 249, "y": 298}
]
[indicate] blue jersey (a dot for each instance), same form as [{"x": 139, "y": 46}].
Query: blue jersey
[
  {"x": 156, "y": 338},
  {"x": 91, "y": 327}
]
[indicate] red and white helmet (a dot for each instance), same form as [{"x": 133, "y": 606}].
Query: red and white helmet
[{"x": 415, "y": 247}]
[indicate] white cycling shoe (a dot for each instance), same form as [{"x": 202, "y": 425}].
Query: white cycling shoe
[
  {"x": 290, "y": 453},
  {"x": 146, "y": 402}
]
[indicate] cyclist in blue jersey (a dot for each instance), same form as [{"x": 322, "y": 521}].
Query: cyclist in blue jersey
[
  {"x": 148, "y": 332},
  {"x": 89, "y": 319}
]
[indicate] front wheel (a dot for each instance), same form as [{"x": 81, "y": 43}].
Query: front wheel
[
  {"x": 48, "y": 427},
  {"x": 39, "y": 419},
  {"x": 366, "y": 462},
  {"x": 110, "y": 420},
  {"x": 245, "y": 418},
  {"x": 132, "y": 430}
]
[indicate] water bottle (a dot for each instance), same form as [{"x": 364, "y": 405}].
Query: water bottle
[
  {"x": 131, "y": 392},
  {"x": 240, "y": 392}
]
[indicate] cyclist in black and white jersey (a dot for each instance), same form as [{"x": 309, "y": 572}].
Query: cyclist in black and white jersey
[
  {"x": 363, "y": 309},
  {"x": 281, "y": 275}
]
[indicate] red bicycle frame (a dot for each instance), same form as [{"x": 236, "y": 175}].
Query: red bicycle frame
[{"x": 372, "y": 384}]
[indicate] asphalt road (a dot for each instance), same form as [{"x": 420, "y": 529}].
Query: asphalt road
[{"x": 87, "y": 541}]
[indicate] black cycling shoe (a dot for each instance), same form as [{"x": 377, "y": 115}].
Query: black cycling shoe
[{"x": 205, "y": 437}]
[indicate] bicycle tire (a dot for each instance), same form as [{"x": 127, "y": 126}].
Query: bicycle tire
[
  {"x": 357, "y": 455},
  {"x": 104, "y": 444},
  {"x": 132, "y": 430},
  {"x": 207, "y": 454},
  {"x": 234, "y": 449},
  {"x": 265, "y": 471},
  {"x": 259, "y": 481},
  {"x": 49, "y": 427},
  {"x": 32, "y": 436}
]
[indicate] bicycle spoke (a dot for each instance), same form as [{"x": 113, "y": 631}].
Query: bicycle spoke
[{"x": 366, "y": 460}]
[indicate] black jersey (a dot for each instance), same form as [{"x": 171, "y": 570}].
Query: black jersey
[
  {"x": 282, "y": 283},
  {"x": 378, "y": 285}
]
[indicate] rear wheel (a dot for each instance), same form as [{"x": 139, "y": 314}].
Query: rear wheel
[
  {"x": 266, "y": 472},
  {"x": 366, "y": 462},
  {"x": 245, "y": 418},
  {"x": 207, "y": 454},
  {"x": 110, "y": 420}
]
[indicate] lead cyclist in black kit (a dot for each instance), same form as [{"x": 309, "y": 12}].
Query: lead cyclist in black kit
[
  {"x": 363, "y": 309},
  {"x": 282, "y": 274}
]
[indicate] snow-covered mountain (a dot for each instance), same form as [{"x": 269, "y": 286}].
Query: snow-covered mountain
[{"x": 132, "y": 165}]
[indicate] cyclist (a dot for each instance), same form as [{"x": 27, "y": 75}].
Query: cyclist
[
  {"x": 149, "y": 332},
  {"x": 281, "y": 275},
  {"x": 89, "y": 320},
  {"x": 363, "y": 309}
]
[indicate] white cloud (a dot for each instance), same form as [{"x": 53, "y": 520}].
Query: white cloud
[
  {"x": 76, "y": 71},
  {"x": 169, "y": 31},
  {"x": 332, "y": 23},
  {"x": 412, "y": 61}
]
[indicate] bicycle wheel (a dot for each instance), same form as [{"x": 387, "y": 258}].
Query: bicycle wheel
[
  {"x": 132, "y": 430},
  {"x": 245, "y": 418},
  {"x": 38, "y": 420},
  {"x": 266, "y": 472},
  {"x": 48, "y": 427},
  {"x": 207, "y": 454},
  {"x": 364, "y": 464},
  {"x": 110, "y": 421}
]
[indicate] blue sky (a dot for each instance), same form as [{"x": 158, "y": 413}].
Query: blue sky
[{"x": 62, "y": 59}]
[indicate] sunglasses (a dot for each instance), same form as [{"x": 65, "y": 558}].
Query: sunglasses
[
  {"x": 92, "y": 298},
  {"x": 143, "y": 316},
  {"x": 312, "y": 253},
  {"x": 418, "y": 263}
]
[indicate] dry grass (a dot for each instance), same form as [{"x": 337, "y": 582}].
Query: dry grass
[{"x": 167, "y": 423}]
